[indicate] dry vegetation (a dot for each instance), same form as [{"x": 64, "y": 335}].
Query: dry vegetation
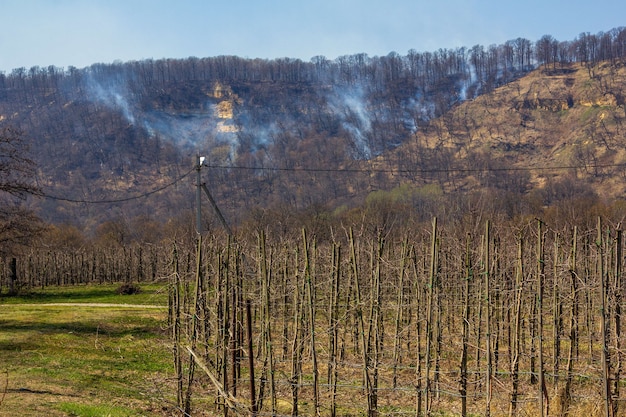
[
  {"x": 471, "y": 317},
  {"x": 556, "y": 121},
  {"x": 364, "y": 323},
  {"x": 502, "y": 322}
]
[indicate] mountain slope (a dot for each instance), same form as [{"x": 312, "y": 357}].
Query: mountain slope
[
  {"x": 552, "y": 123},
  {"x": 119, "y": 141}
]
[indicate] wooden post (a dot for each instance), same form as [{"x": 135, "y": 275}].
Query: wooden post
[
  {"x": 540, "y": 276},
  {"x": 557, "y": 310},
  {"x": 175, "y": 320},
  {"x": 399, "y": 312},
  {"x": 617, "y": 288},
  {"x": 359, "y": 314},
  {"x": 194, "y": 325},
  {"x": 311, "y": 304},
  {"x": 573, "y": 328},
  {"x": 297, "y": 345},
  {"x": 519, "y": 276},
  {"x": 466, "y": 313},
  {"x": 333, "y": 314},
  {"x": 251, "y": 360},
  {"x": 606, "y": 360},
  {"x": 429, "y": 322},
  {"x": 487, "y": 298}
]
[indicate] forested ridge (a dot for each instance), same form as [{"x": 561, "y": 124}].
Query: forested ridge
[{"x": 285, "y": 133}]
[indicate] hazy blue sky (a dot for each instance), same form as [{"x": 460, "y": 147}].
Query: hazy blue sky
[{"x": 82, "y": 32}]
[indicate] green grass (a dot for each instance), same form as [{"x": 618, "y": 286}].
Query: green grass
[
  {"x": 60, "y": 360},
  {"x": 82, "y": 410},
  {"x": 151, "y": 294}
]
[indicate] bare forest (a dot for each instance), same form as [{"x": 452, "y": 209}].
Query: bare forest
[{"x": 287, "y": 133}]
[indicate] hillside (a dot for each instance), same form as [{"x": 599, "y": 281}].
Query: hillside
[
  {"x": 118, "y": 141},
  {"x": 550, "y": 125}
]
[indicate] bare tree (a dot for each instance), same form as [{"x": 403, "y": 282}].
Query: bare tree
[{"x": 17, "y": 224}]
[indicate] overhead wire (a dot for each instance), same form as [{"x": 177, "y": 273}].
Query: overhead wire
[
  {"x": 329, "y": 170},
  {"x": 117, "y": 200},
  {"x": 418, "y": 170}
]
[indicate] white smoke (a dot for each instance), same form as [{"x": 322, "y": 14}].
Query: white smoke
[
  {"x": 111, "y": 93},
  {"x": 349, "y": 105},
  {"x": 190, "y": 129},
  {"x": 182, "y": 129}
]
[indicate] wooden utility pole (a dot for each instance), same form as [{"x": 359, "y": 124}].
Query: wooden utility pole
[
  {"x": 199, "y": 161},
  {"x": 201, "y": 186}
]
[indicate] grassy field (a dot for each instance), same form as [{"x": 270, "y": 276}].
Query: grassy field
[{"x": 85, "y": 351}]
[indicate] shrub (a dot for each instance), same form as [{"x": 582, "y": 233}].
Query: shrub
[{"x": 128, "y": 289}]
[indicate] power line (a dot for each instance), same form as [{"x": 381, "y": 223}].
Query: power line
[
  {"x": 335, "y": 170},
  {"x": 417, "y": 170},
  {"x": 117, "y": 200}
]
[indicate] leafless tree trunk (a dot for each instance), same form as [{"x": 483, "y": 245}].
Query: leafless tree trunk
[
  {"x": 604, "y": 294},
  {"x": 333, "y": 306},
  {"x": 397, "y": 342},
  {"x": 311, "y": 305},
  {"x": 469, "y": 275},
  {"x": 566, "y": 395},
  {"x": 542, "y": 395},
  {"x": 519, "y": 277},
  {"x": 617, "y": 300},
  {"x": 432, "y": 280},
  {"x": 487, "y": 298},
  {"x": 175, "y": 323}
]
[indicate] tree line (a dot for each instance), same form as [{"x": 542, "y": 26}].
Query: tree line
[{"x": 480, "y": 65}]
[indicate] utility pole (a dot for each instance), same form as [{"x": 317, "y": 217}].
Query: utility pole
[
  {"x": 202, "y": 186},
  {"x": 199, "y": 161}
]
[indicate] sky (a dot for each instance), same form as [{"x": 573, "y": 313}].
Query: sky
[{"x": 79, "y": 33}]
